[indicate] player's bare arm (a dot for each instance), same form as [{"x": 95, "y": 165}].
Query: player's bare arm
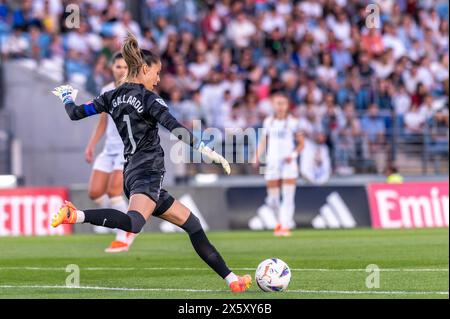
[
  {"x": 260, "y": 150},
  {"x": 99, "y": 131},
  {"x": 300, "y": 140}
]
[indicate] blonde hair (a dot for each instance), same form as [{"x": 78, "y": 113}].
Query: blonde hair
[{"x": 135, "y": 57}]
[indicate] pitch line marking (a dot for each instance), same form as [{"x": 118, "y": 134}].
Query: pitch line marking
[
  {"x": 105, "y": 288},
  {"x": 347, "y": 292},
  {"x": 252, "y": 269},
  {"x": 351, "y": 292}
]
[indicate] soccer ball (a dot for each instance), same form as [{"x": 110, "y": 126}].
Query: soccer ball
[{"x": 273, "y": 275}]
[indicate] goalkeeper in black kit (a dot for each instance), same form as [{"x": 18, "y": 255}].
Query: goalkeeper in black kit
[{"x": 136, "y": 112}]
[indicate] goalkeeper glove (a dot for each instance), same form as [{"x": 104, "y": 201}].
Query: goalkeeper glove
[
  {"x": 214, "y": 156},
  {"x": 66, "y": 93}
]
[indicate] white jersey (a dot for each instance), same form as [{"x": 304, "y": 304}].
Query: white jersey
[
  {"x": 113, "y": 141},
  {"x": 280, "y": 137}
]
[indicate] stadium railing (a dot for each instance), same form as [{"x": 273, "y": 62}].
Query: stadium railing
[{"x": 413, "y": 154}]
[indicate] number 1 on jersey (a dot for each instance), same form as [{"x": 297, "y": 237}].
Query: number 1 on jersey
[{"x": 126, "y": 119}]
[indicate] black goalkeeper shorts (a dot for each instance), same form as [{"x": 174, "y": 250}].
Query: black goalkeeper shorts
[{"x": 148, "y": 183}]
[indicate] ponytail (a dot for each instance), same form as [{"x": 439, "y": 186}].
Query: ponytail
[
  {"x": 132, "y": 55},
  {"x": 135, "y": 57}
]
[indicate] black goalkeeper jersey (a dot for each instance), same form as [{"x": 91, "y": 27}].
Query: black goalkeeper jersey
[{"x": 136, "y": 112}]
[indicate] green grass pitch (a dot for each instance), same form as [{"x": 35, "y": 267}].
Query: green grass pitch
[{"x": 324, "y": 264}]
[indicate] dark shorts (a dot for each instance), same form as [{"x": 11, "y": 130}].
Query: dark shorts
[{"x": 148, "y": 183}]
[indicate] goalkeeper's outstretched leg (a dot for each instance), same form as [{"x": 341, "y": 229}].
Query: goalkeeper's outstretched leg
[{"x": 167, "y": 208}]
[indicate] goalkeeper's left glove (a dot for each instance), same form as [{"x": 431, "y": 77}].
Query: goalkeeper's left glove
[
  {"x": 66, "y": 93},
  {"x": 214, "y": 156}
]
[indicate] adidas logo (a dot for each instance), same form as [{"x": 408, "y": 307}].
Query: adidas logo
[
  {"x": 266, "y": 219},
  {"x": 334, "y": 214}
]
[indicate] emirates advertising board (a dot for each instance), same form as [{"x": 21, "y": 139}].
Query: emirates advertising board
[
  {"x": 28, "y": 211},
  {"x": 409, "y": 205}
]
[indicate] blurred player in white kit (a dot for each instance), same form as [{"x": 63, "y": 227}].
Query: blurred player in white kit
[{"x": 284, "y": 143}]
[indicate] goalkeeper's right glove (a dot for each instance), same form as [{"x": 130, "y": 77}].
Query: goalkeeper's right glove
[
  {"x": 214, "y": 156},
  {"x": 66, "y": 93}
]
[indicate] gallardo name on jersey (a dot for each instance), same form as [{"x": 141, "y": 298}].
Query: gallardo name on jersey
[{"x": 132, "y": 100}]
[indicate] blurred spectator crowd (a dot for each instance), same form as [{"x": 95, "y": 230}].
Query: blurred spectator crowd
[{"x": 360, "y": 91}]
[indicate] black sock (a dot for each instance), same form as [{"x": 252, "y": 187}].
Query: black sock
[
  {"x": 203, "y": 247},
  {"x": 107, "y": 217},
  {"x": 133, "y": 221}
]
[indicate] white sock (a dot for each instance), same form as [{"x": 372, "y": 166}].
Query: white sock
[
  {"x": 230, "y": 278},
  {"x": 80, "y": 217},
  {"x": 102, "y": 201},
  {"x": 273, "y": 198},
  {"x": 119, "y": 203},
  {"x": 287, "y": 208}
]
